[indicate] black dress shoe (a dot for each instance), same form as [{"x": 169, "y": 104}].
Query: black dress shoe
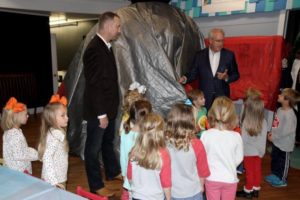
[
  {"x": 255, "y": 193},
  {"x": 244, "y": 194}
]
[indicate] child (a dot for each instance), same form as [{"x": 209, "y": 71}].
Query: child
[
  {"x": 188, "y": 156},
  {"x": 16, "y": 153},
  {"x": 283, "y": 137},
  {"x": 53, "y": 145},
  {"x": 134, "y": 93},
  {"x": 128, "y": 136},
  {"x": 254, "y": 135},
  {"x": 198, "y": 102},
  {"x": 224, "y": 149},
  {"x": 149, "y": 168}
]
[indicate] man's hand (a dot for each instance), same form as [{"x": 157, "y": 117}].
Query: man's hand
[
  {"x": 182, "y": 80},
  {"x": 222, "y": 75},
  {"x": 103, "y": 122}
]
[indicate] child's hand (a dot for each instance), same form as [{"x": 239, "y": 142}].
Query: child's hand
[
  {"x": 60, "y": 186},
  {"x": 270, "y": 136}
]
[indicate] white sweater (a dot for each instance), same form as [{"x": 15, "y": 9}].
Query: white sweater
[
  {"x": 55, "y": 158},
  {"x": 16, "y": 153},
  {"x": 224, "y": 150}
]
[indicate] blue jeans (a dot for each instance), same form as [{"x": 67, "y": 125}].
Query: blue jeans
[
  {"x": 198, "y": 196},
  {"x": 98, "y": 141}
]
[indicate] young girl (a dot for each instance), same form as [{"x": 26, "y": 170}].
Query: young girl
[
  {"x": 254, "y": 135},
  {"x": 149, "y": 168},
  {"x": 134, "y": 93},
  {"x": 224, "y": 149},
  {"x": 128, "y": 136},
  {"x": 283, "y": 137},
  {"x": 198, "y": 102},
  {"x": 188, "y": 156},
  {"x": 16, "y": 153},
  {"x": 53, "y": 145}
]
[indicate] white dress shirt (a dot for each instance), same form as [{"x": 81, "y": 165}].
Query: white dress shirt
[{"x": 214, "y": 59}]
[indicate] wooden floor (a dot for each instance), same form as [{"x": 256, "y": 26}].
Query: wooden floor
[{"x": 77, "y": 176}]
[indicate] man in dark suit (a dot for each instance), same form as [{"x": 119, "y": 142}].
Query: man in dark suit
[
  {"x": 101, "y": 100},
  {"x": 215, "y": 67}
]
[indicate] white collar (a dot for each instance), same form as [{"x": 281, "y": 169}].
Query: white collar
[{"x": 108, "y": 44}]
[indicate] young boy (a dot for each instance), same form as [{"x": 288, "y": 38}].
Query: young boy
[
  {"x": 198, "y": 102},
  {"x": 282, "y": 137}
]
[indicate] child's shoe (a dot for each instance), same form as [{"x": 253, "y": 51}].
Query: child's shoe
[
  {"x": 278, "y": 183},
  {"x": 244, "y": 194},
  {"x": 271, "y": 178},
  {"x": 255, "y": 193}
]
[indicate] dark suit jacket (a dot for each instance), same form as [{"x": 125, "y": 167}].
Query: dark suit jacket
[
  {"x": 210, "y": 85},
  {"x": 101, "y": 95}
]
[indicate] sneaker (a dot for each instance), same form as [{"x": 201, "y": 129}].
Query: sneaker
[
  {"x": 271, "y": 178},
  {"x": 278, "y": 183}
]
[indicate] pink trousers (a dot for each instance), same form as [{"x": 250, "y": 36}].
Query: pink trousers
[{"x": 220, "y": 190}]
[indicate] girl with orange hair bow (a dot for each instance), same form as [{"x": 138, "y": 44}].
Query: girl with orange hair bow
[
  {"x": 16, "y": 153},
  {"x": 53, "y": 146}
]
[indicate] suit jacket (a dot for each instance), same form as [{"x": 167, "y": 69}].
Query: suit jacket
[
  {"x": 101, "y": 94},
  {"x": 210, "y": 85}
]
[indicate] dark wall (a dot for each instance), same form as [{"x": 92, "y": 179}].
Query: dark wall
[{"x": 25, "y": 48}]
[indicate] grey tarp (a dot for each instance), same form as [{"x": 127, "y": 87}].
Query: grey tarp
[{"x": 156, "y": 47}]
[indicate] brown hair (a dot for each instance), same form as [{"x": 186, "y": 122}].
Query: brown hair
[
  {"x": 194, "y": 94},
  {"x": 253, "y": 113},
  {"x": 129, "y": 98},
  {"x": 146, "y": 151},
  {"x": 136, "y": 112},
  {"x": 222, "y": 114},
  {"x": 291, "y": 95},
  {"x": 180, "y": 126},
  {"x": 104, "y": 17}
]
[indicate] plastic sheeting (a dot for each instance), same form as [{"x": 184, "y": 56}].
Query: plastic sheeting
[{"x": 156, "y": 47}]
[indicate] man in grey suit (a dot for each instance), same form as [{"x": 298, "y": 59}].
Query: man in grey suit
[
  {"x": 101, "y": 100},
  {"x": 215, "y": 67}
]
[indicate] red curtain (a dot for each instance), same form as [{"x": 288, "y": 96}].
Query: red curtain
[{"x": 259, "y": 63}]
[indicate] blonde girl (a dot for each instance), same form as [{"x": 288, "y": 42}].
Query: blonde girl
[
  {"x": 53, "y": 145},
  {"x": 254, "y": 135},
  {"x": 224, "y": 150},
  {"x": 16, "y": 153},
  {"x": 189, "y": 162},
  {"x": 149, "y": 168},
  {"x": 128, "y": 136}
]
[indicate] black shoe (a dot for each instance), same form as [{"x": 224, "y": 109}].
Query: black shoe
[
  {"x": 255, "y": 193},
  {"x": 243, "y": 193}
]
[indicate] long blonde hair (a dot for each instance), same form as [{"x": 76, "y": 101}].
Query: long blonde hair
[
  {"x": 180, "y": 126},
  {"x": 11, "y": 119},
  {"x": 222, "y": 114},
  {"x": 49, "y": 121},
  {"x": 253, "y": 113},
  {"x": 149, "y": 142}
]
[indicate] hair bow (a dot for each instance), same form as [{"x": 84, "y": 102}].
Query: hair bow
[
  {"x": 56, "y": 99},
  {"x": 136, "y": 86},
  {"x": 14, "y": 105},
  {"x": 188, "y": 102}
]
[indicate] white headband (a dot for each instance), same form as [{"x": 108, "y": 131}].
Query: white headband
[{"x": 135, "y": 85}]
